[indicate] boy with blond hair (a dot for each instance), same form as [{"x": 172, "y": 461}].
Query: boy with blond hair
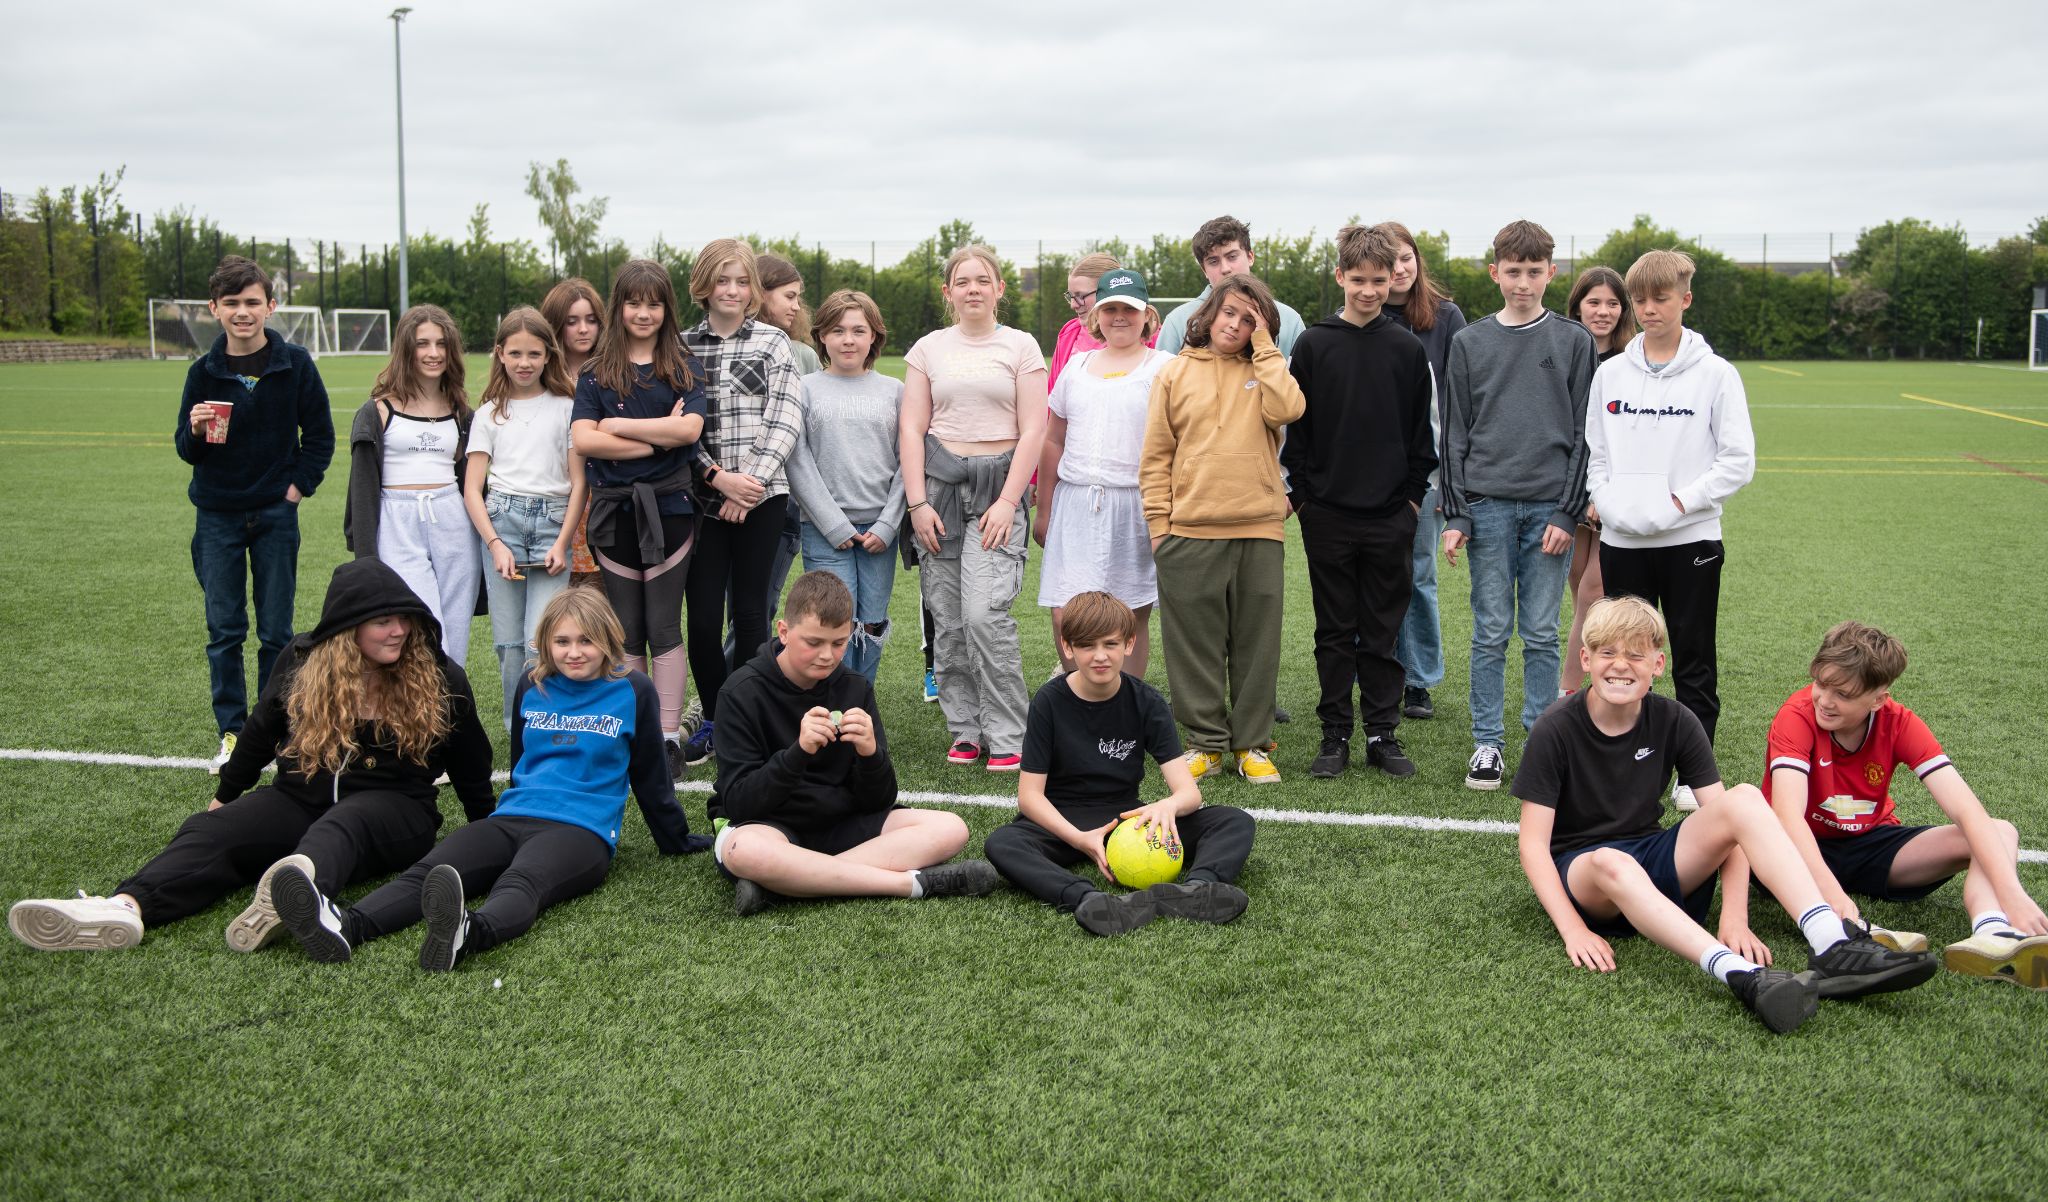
[
  {"x": 1592, "y": 781},
  {"x": 1833, "y": 747},
  {"x": 1668, "y": 442}
]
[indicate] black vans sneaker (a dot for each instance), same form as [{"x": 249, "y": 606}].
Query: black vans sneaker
[
  {"x": 1781, "y": 999},
  {"x": 1384, "y": 753},
  {"x": 1483, "y": 771},
  {"x": 1331, "y": 761},
  {"x": 1109, "y": 914},
  {"x": 1860, "y": 965}
]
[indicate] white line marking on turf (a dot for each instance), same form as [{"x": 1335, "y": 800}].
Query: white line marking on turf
[{"x": 986, "y": 801}]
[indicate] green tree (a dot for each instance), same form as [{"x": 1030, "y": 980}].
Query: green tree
[{"x": 572, "y": 227}]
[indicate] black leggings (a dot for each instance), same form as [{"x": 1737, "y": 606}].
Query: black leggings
[
  {"x": 525, "y": 864},
  {"x": 216, "y": 852},
  {"x": 731, "y": 557},
  {"x": 648, "y": 597}
]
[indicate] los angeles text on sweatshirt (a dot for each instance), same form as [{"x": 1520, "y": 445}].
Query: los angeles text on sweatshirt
[
  {"x": 1363, "y": 444},
  {"x": 763, "y": 774},
  {"x": 1515, "y": 417},
  {"x": 1682, "y": 431}
]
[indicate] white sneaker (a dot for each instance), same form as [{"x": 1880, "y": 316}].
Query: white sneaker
[
  {"x": 75, "y": 924},
  {"x": 2023, "y": 960},
  {"x": 310, "y": 917},
  {"x": 258, "y": 924},
  {"x": 227, "y": 750},
  {"x": 1682, "y": 799}
]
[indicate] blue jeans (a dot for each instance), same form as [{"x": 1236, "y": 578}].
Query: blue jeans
[
  {"x": 1420, "y": 644},
  {"x": 529, "y": 526},
  {"x": 1514, "y": 584},
  {"x": 229, "y": 547},
  {"x": 870, "y": 577}
]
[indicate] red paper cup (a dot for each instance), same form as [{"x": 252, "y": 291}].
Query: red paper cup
[{"x": 217, "y": 429}]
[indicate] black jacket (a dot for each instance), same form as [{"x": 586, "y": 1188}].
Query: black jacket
[
  {"x": 763, "y": 774},
  {"x": 1363, "y": 444},
  {"x": 363, "y": 589}
]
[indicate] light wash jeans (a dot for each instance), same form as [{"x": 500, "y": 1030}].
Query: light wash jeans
[
  {"x": 529, "y": 526},
  {"x": 1420, "y": 644},
  {"x": 1514, "y": 585},
  {"x": 870, "y": 577}
]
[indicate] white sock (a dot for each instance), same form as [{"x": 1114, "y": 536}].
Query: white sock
[
  {"x": 1721, "y": 963},
  {"x": 1991, "y": 922},
  {"x": 672, "y": 736},
  {"x": 1822, "y": 927},
  {"x": 916, "y": 884}
]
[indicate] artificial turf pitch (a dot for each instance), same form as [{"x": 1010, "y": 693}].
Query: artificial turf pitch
[{"x": 1393, "y": 1016}]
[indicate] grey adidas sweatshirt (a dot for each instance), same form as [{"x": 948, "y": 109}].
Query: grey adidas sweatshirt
[
  {"x": 844, "y": 471},
  {"x": 1515, "y": 417}
]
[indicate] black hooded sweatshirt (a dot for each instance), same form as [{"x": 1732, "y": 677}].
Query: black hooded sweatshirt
[
  {"x": 363, "y": 589},
  {"x": 764, "y": 776},
  {"x": 1363, "y": 445}
]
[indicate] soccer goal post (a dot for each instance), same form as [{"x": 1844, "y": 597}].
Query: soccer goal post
[
  {"x": 2037, "y": 340},
  {"x": 180, "y": 329},
  {"x": 359, "y": 332},
  {"x": 302, "y": 326}
]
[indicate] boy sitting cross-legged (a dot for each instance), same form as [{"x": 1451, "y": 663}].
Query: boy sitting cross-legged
[
  {"x": 1592, "y": 783},
  {"x": 806, "y": 795},
  {"x": 1085, "y": 744},
  {"x": 1833, "y": 747}
]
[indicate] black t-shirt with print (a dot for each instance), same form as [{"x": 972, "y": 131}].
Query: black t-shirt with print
[
  {"x": 250, "y": 367},
  {"x": 1094, "y": 751},
  {"x": 1608, "y": 787}
]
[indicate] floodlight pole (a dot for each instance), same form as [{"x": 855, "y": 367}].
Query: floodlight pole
[{"x": 398, "y": 88}]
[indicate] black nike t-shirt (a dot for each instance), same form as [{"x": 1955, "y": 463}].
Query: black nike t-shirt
[
  {"x": 1093, "y": 752},
  {"x": 1608, "y": 787}
]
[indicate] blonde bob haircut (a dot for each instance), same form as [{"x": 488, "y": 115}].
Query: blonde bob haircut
[
  {"x": 712, "y": 259},
  {"x": 845, "y": 301},
  {"x": 593, "y": 615},
  {"x": 1660, "y": 271},
  {"x": 1629, "y": 623}
]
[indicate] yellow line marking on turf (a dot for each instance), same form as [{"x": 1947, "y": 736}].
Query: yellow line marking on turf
[
  {"x": 1783, "y": 371},
  {"x": 1911, "y": 396}
]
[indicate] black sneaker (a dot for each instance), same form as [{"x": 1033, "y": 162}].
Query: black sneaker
[
  {"x": 1115, "y": 913},
  {"x": 311, "y": 918},
  {"x": 1415, "y": 703},
  {"x": 1384, "y": 753},
  {"x": 965, "y": 878},
  {"x": 674, "y": 751},
  {"x": 1334, "y": 757},
  {"x": 1781, "y": 999},
  {"x": 1483, "y": 770},
  {"x": 1200, "y": 901},
  {"x": 1282, "y": 716},
  {"x": 1860, "y": 965},
  {"x": 749, "y": 899},
  {"x": 442, "y": 905},
  {"x": 699, "y": 747}
]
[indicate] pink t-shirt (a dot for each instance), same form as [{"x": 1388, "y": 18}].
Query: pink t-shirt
[
  {"x": 974, "y": 380},
  {"x": 1074, "y": 338}
]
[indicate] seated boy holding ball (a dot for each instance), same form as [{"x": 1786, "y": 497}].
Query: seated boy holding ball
[
  {"x": 1084, "y": 746},
  {"x": 805, "y": 804}
]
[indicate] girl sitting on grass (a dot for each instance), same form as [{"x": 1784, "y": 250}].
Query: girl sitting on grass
[
  {"x": 587, "y": 729},
  {"x": 361, "y": 714}
]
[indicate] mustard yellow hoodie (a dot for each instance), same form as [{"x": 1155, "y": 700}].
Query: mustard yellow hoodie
[{"x": 1211, "y": 465}]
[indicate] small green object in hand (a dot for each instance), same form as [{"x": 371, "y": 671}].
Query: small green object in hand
[{"x": 835, "y": 715}]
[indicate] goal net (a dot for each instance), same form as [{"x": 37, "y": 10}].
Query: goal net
[
  {"x": 180, "y": 329},
  {"x": 359, "y": 332},
  {"x": 301, "y": 325},
  {"x": 2037, "y": 340}
]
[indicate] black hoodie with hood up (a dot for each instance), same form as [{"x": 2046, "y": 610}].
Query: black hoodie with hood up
[
  {"x": 1363, "y": 445},
  {"x": 764, "y": 776},
  {"x": 363, "y": 589}
]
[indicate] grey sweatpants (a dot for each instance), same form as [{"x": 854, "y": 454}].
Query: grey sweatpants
[
  {"x": 424, "y": 535},
  {"x": 975, "y": 651}
]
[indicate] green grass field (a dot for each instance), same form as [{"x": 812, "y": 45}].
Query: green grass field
[{"x": 1393, "y": 1017}]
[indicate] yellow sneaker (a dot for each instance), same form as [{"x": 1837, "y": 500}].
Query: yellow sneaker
[
  {"x": 1257, "y": 767},
  {"x": 227, "y": 752},
  {"x": 1202, "y": 763},
  {"x": 1900, "y": 941},
  {"x": 2001, "y": 958}
]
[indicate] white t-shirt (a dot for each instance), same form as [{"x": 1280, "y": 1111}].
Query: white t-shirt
[
  {"x": 529, "y": 449},
  {"x": 974, "y": 380},
  {"x": 1105, "y": 420}
]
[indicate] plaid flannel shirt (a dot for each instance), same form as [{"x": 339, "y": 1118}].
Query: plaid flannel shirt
[{"x": 756, "y": 397}]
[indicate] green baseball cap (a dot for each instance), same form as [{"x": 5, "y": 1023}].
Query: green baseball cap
[{"x": 1122, "y": 286}]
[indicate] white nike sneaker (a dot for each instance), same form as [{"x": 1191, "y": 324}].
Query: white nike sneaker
[
  {"x": 75, "y": 924},
  {"x": 1682, "y": 799},
  {"x": 258, "y": 924}
]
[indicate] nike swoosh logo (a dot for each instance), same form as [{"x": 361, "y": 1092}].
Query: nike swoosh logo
[
  {"x": 1700, "y": 563},
  {"x": 1827, "y": 763},
  {"x": 1643, "y": 753}
]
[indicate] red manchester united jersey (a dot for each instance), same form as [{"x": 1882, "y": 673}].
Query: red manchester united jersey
[{"x": 1848, "y": 792}]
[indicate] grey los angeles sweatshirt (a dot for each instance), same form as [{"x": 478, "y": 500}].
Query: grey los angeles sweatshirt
[
  {"x": 844, "y": 471},
  {"x": 1515, "y": 417}
]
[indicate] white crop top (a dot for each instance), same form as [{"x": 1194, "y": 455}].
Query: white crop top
[{"x": 420, "y": 450}]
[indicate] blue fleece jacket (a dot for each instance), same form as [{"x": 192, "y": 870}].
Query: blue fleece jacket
[
  {"x": 280, "y": 433},
  {"x": 577, "y": 744}
]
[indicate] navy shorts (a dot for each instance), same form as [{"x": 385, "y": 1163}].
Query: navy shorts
[
  {"x": 1658, "y": 855},
  {"x": 1863, "y": 863},
  {"x": 827, "y": 839}
]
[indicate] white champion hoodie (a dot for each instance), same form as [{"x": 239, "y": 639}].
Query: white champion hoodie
[{"x": 1680, "y": 432}]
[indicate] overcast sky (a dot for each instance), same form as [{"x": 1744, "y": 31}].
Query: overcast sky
[{"x": 845, "y": 122}]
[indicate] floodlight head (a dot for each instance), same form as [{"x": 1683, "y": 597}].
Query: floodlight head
[{"x": 398, "y": 14}]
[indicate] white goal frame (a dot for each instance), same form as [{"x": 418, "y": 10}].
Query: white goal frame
[
  {"x": 188, "y": 313},
  {"x": 356, "y": 346},
  {"x": 310, "y": 322},
  {"x": 2037, "y": 340}
]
